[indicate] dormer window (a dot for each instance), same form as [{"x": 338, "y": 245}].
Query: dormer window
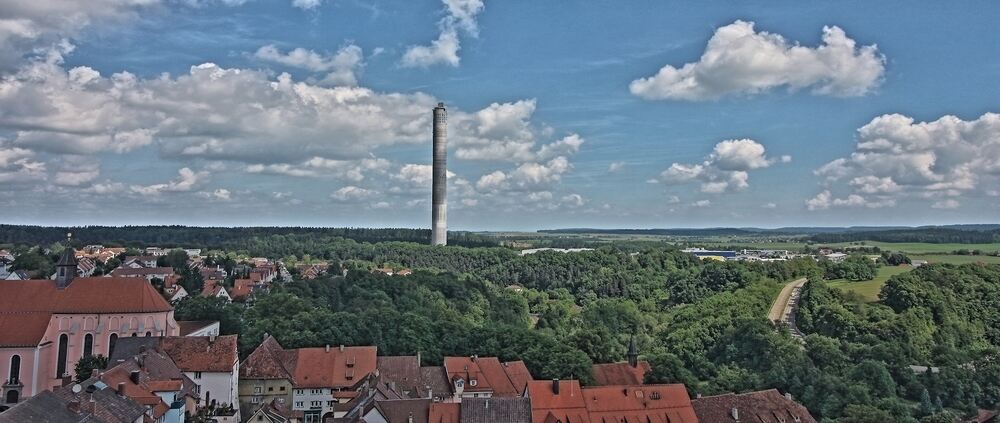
[
  {"x": 473, "y": 382},
  {"x": 459, "y": 383}
]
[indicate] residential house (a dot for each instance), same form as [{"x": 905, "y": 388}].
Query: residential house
[
  {"x": 646, "y": 403},
  {"x": 142, "y": 372},
  {"x": 149, "y": 273},
  {"x": 136, "y": 262},
  {"x": 46, "y": 325},
  {"x": 319, "y": 382},
  {"x": 199, "y": 327},
  {"x": 762, "y": 406},
  {"x": 497, "y": 410},
  {"x": 443, "y": 412},
  {"x": 91, "y": 405},
  {"x": 557, "y": 401},
  {"x": 485, "y": 377},
  {"x": 212, "y": 362},
  {"x": 399, "y": 411},
  {"x": 215, "y": 289},
  {"x": 274, "y": 412}
]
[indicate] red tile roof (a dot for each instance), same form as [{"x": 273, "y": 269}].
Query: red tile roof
[
  {"x": 22, "y": 329},
  {"x": 202, "y": 353},
  {"x": 444, "y": 413},
  {"x": 568, "y": 406},
  {"x": 619, "y": 373},
  {"x": 267, "y": 361},
  {"x": 320, "y": 368},
  {"x": 504, "y": 379},
  {"x": 83, "y": 295},
  {"x": 648, "y": 403},
  {"x": 241, "y": 289},
  {"x": 761, "y": 406}
]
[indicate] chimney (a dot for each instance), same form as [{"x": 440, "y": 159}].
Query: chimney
[
  {"x": 134, "y": 377},
  {"x": 95, "y": 373},
  {"x": 788, "y": 396},
  {"x": 327, "y": 347},
  {"x": 341, "y": 347},
  {"x": 410, "y": 418},
  {"x": 555, "y": 386},
  {"x": 121, "y": 388},
  {"x": 211, "y": 339},
  {"x": 736, "y": 414},
  {"x": 74, "y": 406}
]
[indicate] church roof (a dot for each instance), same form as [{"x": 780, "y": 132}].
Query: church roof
[{"x": 27, "y": 306}]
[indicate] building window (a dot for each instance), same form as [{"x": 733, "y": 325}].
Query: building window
[
  {"x": 271, "y": 389},
  {"x": 316, "y": 403},
  {"x": 255, "y": 400},
  {"x": 329, "y": 404},
  {"x": 88, "y": 345},
  {"x": 197, "y": 375},
  {"x": 15, "y": 370},
  {"x": 148, "y": 334},
  {"x": 299, "y": 404},
  {"x": 61, "y": 364},
  {"x": 282, "y": 389},
  {"x": 112, "y": 340},
  {"x": 257, "y": 389}
]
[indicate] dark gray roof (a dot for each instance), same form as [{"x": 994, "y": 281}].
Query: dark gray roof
[
  {"x": 402, "y": 411},
  {"x": 403, "y": 371},
  {"x": 496, "y": 410},
  {"x": 44, "y": 407},
  {"x": 435, "y": 379},
  {"x": 127, "y": 347}
]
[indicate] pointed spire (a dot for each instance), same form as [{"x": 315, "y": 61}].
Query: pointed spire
[
  {"x": 66, "y": 266},
  {"x": 633, "y": 353}
]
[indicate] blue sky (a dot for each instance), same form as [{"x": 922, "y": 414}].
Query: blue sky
[{"x": 597, "y": 114}]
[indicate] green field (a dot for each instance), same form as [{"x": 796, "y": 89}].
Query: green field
[
  {"x": 955, "y": 259},
  {"x": 869, "y": 289},
  {"x": 906, "y": 247}
]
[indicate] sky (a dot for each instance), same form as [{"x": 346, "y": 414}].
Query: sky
[{"x": 601, "y": 114}]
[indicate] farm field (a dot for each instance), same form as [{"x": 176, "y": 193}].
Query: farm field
[
  {"x": 955, "y": 259},
  {"x": 869, "y": 289},
  {"x": 906, "y": 247}
]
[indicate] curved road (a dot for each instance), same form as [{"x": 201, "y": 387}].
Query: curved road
[{"x": 783, "y": 310}]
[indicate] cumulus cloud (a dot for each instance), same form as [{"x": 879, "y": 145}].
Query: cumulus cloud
[
  {"x": 352, "y": 193},
  {"x": 825, "y": 200},
  {"x": 306, "y": 4},
  {"x": 725, "y": 169},
  {"x": 461, "y": 16},
  {"x": 220, "y": 194},
  {"x": 504, "y": 132},
  {"x": 615, "y": 167},
  {"x": 186, "y": 180},
  {"x": 341, "y": 68},
  {"x": 897, "y": 157},
  {"x": 739, "y": 59},
  {"x": 20, "y": 165}
]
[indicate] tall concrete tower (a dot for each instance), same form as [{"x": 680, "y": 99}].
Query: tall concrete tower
[{"x": 439, "y": 194}]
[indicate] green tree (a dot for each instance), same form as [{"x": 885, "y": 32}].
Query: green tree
[{"x": 87, "y": 364}]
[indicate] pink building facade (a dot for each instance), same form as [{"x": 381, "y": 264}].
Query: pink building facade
[{"x": 46, "y": 326}]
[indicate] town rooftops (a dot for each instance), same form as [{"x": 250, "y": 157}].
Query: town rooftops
[
  {"x": 268, "y": 361},
  {"x": 66, "y": 406},
  {"x": 327, "y": 367},
  {"x": 762, "y": 406},
  {"x": 488, "y": 374},
  {"x": 444, "y": 412},
  {"x": 202, "y": 353},
  {"x": 496, "y": 410},
  {"x": 402, "y": 371},
  {"x": 404, "y": 410},
  {"x": 619, "y": 373},
  {"x": 653, "y": 403},
  {"x": 557, "y": 401},
  {"x": 191, "y": 326},
  {"x": 141, "y": 271}
]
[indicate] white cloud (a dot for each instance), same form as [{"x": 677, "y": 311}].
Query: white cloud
[
  {"x": 615, "y": 167},
  {"x": 946, "y": 204},
  {"x": 342, "y": 67},
  {"x": 20, "y": 165},
  {"x": 825, "y": 200},
  {"x": 725, "y": 169},
  {"x": 461, "y": 15},
  {"x": 220, "y": 194},
  {"x": 738, "y": 59},
  {"x": 702, "y": 203},
  {"x": 186, "y": 180},
  {"x": 573, "y": 200},
  {"x": 352, "y": 193},
  {"x": 306, "y": 4},
  {"x": 769, "y": 206},
  {"x": 897, "y": 157},
  {"x": 76, "y": 171}
]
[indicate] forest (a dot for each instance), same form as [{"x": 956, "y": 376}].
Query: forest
[{"x": 930, "y": 235}]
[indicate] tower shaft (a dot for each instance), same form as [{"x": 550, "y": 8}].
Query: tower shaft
[{"x": 439, "y": 188}]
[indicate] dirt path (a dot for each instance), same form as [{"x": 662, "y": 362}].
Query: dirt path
[{"x": 783, "y": 310}]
